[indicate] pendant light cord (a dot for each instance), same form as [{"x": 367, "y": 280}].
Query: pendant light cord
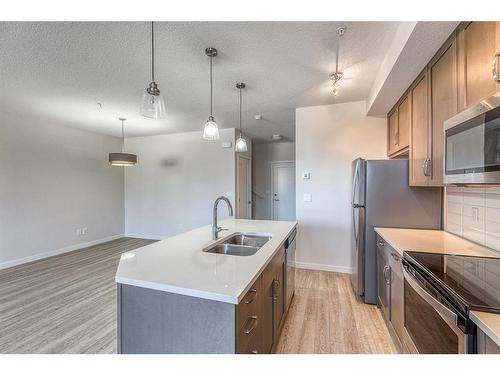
[
  {"x": 123, "y": 138},
  {"x": 240, "y": 114},
  {"x": 211, "y": 104},
  {"x": 152, "y": 52},
  {"x": 337, "y": 55}
]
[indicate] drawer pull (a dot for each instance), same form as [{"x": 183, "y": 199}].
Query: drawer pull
[
  {"x": 254, "y": 324},
  {"x": 275, "y": 291},
  {"x": 254, "y": 351},
  {"x": 254, "y": 294}
]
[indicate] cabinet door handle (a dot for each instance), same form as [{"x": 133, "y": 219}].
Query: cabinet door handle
[
  {"x": 424, "y": 167},
  {"x": 276, "y": 285},
  {"x": 255, "y": 351},
  {"x": 254, "y": 294},
  {"x": 396, "y": 137},
  {"x": 254, "y": 320},
  {"x": 494, "y": 69},
  {"x": 386, "y": 278}
]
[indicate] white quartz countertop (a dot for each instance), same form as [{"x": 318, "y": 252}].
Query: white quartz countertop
[
  {"x": 178, "y": 264},
  {"x": 432, "y": 241}
]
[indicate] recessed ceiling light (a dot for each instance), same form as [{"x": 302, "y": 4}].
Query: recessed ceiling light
[
  {"x": 257, "y": 117},
  {"x": 277, "y": 137}
]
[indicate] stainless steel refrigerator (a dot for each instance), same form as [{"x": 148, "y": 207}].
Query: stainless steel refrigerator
[{"x": 381, "y": 197}]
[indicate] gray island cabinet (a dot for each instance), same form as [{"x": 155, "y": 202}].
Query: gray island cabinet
[{"x": 154, "y": 321}]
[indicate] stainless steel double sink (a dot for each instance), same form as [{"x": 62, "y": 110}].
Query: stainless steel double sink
[{"x": 240, "y": 244}]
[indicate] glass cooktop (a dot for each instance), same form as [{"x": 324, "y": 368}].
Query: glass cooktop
[{"x": 474, "y": 281}]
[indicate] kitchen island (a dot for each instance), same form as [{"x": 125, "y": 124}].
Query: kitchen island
[{"x": 173, "y": 297}]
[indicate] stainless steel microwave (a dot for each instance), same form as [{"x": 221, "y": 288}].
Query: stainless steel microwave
[{"x": 472, "y": 144}]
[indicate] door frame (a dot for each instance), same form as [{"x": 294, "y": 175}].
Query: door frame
[
  {"x": 249, "y": 184},
  {"x": 277, "y": 164}
]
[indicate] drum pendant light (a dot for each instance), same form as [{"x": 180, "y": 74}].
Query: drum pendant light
[
  {"x": 241, "y": 143},
  {"x": 211, "y": 130},
  {"x": 152, "y": 105},
  {"x": 122, "y": 159}
]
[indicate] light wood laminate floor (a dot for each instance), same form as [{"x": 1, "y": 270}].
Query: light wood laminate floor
[
  {"x": 67, "y": 304},
  {"x": 326, "y": 317},
  {"x": 63, "y": 304}
]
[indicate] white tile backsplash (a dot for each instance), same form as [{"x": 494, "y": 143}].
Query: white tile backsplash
[{"x": 474, "y": 213}]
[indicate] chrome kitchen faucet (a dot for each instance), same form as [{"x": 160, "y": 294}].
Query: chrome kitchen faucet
[{"x": 215, "y": 227}]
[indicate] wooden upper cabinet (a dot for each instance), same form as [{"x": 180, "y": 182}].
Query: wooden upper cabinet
[
  {"x": 444, "y": 104},
  {"x": 392, "y": 133},
  {"x": 420, "y": 134},
  {"x": 478, "y": 44},
  {"x": 398, "y": 128},
  {"x": 404, "y": 121}
]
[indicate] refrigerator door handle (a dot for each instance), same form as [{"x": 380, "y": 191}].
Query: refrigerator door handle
[
  {"x": 354, "y": 226},
  {"x": 355, "y": 183}
]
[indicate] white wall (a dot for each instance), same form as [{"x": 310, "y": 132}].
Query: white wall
[
  {"x": 263, "y": 155},
  {"x": 177, "y": 178},
  {"x": 55, "y": 179},
  {"x": 328, "y": 139},
  {"x": 474, "y": 213}
]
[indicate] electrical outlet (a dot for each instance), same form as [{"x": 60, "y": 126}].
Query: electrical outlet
[
  {"x": 78, "y": 232},
  {"x": 84, "y": 231}
]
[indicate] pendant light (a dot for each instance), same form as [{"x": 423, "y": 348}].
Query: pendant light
[
  {"x": 152, "y": 105},
  {"x": 211, "y": 130},
  {"x": 337, "y": 76},
  {"x": 241, "y": 143},
  {"x": 122, "y": 159}
]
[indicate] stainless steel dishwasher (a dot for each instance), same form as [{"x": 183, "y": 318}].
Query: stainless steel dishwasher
[{"x": 290, "y": 248}]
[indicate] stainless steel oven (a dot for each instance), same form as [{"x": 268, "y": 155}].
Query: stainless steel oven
[
  {"x": 472, "y": 144},
  {"x": 434, "y": 324}
]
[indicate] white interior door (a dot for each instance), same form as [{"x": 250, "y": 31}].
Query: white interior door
[
  {"x": 243, "y": 188},
  {"x": 283, "y": 190}
]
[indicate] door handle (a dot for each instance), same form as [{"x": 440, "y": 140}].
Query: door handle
[
  {"x": 276, "y": 199},
  {"x": 494, "y": 69},
  {"x": 386, "y": 278},
  {"x": 254, "y": 324}
]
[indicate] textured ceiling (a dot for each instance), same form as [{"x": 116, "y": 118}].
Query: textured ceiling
[{"x": 60, "y": 71}]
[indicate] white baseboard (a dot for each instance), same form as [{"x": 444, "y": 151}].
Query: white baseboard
[
  {"x": 146, "y": 236},
  {"x": 67, "y": 249},
  {"x": 323, "y": 267}
]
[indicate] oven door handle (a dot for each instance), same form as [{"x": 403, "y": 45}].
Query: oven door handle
[{"x": 441, "y": 309}]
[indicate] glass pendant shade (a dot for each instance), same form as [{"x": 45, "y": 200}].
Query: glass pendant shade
[
  {"x": 152, "y": 106},
  {"x": 211, "y": 130},
  {"x": 241, "y": 145}
]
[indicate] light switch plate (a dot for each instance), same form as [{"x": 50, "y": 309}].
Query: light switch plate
[
  {"x": 227, "y": 144},
  {"x": 306, "y": 175},
  {"x": 307, "y": 197}
]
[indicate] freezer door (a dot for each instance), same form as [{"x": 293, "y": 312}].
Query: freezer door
[{"x": 358, "y": 189}]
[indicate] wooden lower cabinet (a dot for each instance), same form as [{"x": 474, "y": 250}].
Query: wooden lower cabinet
[
  {"x": 260, "y": 314},
  {"x": 391, "y": 291},
  {"x": 485, "y": 345}
]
